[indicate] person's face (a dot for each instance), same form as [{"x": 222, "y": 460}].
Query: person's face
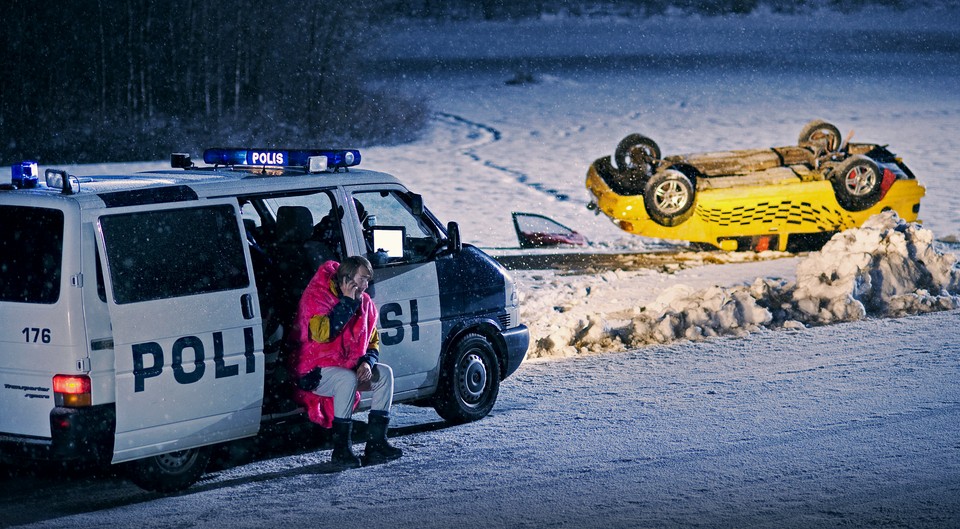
[{"x": 360, "y": 280}]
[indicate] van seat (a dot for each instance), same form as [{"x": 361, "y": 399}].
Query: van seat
[
  {"x": 294, "y": 224},
  {"x": 296, "y": 257}
]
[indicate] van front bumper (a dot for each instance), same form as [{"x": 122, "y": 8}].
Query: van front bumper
[{"x": 515, "y": 342}]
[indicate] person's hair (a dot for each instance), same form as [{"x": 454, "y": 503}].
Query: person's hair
[{"x": 350, "y": 265}]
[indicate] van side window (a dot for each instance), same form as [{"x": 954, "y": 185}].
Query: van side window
[
  {"x": 293, "y": 234},
  {"x": 296, "y": 233},
  {"x": 31, "y": 252},
  {"x": 175, "y": 252},
  {"x": 391, "y": 231}
]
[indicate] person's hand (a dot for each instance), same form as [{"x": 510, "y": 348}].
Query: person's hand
[
  {"x": 364, "y": 373},
  {"x": 350, "y": 289}
]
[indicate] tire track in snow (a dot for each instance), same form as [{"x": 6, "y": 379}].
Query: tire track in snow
[{"x": 486, "y": 135}]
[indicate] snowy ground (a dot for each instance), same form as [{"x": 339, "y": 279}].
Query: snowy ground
[
  {"x": 620, "y": 421},
  {"x": 850, "y": 425}
]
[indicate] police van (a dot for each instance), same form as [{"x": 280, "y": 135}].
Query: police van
[{"x": 143, "y": 317}]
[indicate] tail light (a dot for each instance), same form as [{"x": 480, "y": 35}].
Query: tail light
[{"x": 72, "y": 391}]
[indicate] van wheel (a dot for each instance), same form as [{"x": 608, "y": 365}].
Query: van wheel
[
  {"x": 469, "y": 381},
  {"x": 856, "y": 182},
  {"x": 169, "y": 472}
]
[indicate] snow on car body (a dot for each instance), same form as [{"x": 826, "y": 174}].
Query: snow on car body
[
  {"x": 143, "y": 316},
  {"x": 781, "y": 198}
]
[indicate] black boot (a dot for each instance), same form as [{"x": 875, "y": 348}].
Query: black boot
[
  {"x": 378, "y": 450},
  {"x": 343, "y": 456}
]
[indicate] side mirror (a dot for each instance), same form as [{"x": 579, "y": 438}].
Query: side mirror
[
  {"x": 453, "y": 236},
  {"x": 416, "y": 204}
]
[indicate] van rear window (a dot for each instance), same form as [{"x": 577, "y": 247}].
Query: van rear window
[
  {"x": 31, "y": 251},
  {"x": 175, "y": 252}
]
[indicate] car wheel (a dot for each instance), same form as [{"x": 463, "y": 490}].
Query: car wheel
[
  {"x": 169, "y": 472},
  {"x": 856, "y": 182},
  {"x": 668, "y": 197},
  {"x": 637, "y": 152},
  {"x": 823, "y": 133},
  {"x": 470, "y": 381}
]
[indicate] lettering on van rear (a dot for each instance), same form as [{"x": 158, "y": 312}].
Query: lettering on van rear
[
  {"x": 30, "y": 392},
  {"x": 149, "y": 359}
]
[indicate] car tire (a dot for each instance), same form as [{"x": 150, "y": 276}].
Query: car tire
[
  {"x": 856, "y": 182},
  {"x": 469, "y": 381},
  {"x": 669, "y": 197},
  {"x": 637, "y": 152},
  {"x": 821, "y": 132},
  {"x": 171, "y": 472}
]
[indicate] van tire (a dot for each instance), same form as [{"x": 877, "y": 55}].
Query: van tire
[
  {"x": 171, "y": 472},
  {"x": 469, "y": 381}
]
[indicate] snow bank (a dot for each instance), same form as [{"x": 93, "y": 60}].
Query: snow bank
[{"x": 886, "y": 268}]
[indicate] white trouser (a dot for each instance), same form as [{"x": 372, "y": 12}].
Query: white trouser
[{"x": 341, "y": 384}]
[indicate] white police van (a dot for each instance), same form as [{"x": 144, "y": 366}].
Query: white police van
[{"x": 142, "y": 316}]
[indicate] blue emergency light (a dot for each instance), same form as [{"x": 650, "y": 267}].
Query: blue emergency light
[
  {"x": 25, "y": 174},
  {"x": 335, "y": 159}
]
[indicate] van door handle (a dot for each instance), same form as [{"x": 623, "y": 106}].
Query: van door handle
[{"x": 246, "y": 304}]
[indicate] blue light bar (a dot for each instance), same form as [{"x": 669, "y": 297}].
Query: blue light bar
[
  {"x": 281, "y": 158},
  {"x": 25, "y": 174}
]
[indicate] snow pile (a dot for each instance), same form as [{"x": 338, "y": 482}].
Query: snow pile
[
  {"x": 561, "y": 314},
  {"x": 682, "y": 313},
  {"x": 886, "y": 268}
]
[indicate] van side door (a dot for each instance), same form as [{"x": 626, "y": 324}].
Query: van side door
[
  {"x": 186, "y": 326},
  {"x": 405, "y": 285}
]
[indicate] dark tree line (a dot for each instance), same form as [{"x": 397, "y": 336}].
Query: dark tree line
[
  {"x": 88, "y": 80},
  {"x": 513, "y": 9}
]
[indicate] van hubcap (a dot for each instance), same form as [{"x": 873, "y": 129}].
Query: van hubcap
[
  {"x": 473, "y": 378},
  {"x": 175, "y": 461}
]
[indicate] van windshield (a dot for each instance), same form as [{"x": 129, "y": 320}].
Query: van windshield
[{"x": 31, "y": 251}]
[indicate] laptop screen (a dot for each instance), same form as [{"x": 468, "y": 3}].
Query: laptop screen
[{"x": 389, "y": 239}]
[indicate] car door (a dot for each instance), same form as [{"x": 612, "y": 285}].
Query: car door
[
  {"x": 405, "y": 286},
  {"x": 186, "y": 326}
]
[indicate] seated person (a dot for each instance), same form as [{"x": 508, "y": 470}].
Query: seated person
[{"x": 337, "y": 352}]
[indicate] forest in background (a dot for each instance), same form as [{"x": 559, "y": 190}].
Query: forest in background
[
  {"x": 92, "y": 81},
  {"x": 88, "y": 81}
]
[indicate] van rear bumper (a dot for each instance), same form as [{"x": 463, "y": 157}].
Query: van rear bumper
[
  {"x": 516, "y": 340},
  {"x": 77, "y": 434}
]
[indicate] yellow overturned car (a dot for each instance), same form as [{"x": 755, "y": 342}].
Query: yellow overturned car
[{"x": 791, "y": 198}]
